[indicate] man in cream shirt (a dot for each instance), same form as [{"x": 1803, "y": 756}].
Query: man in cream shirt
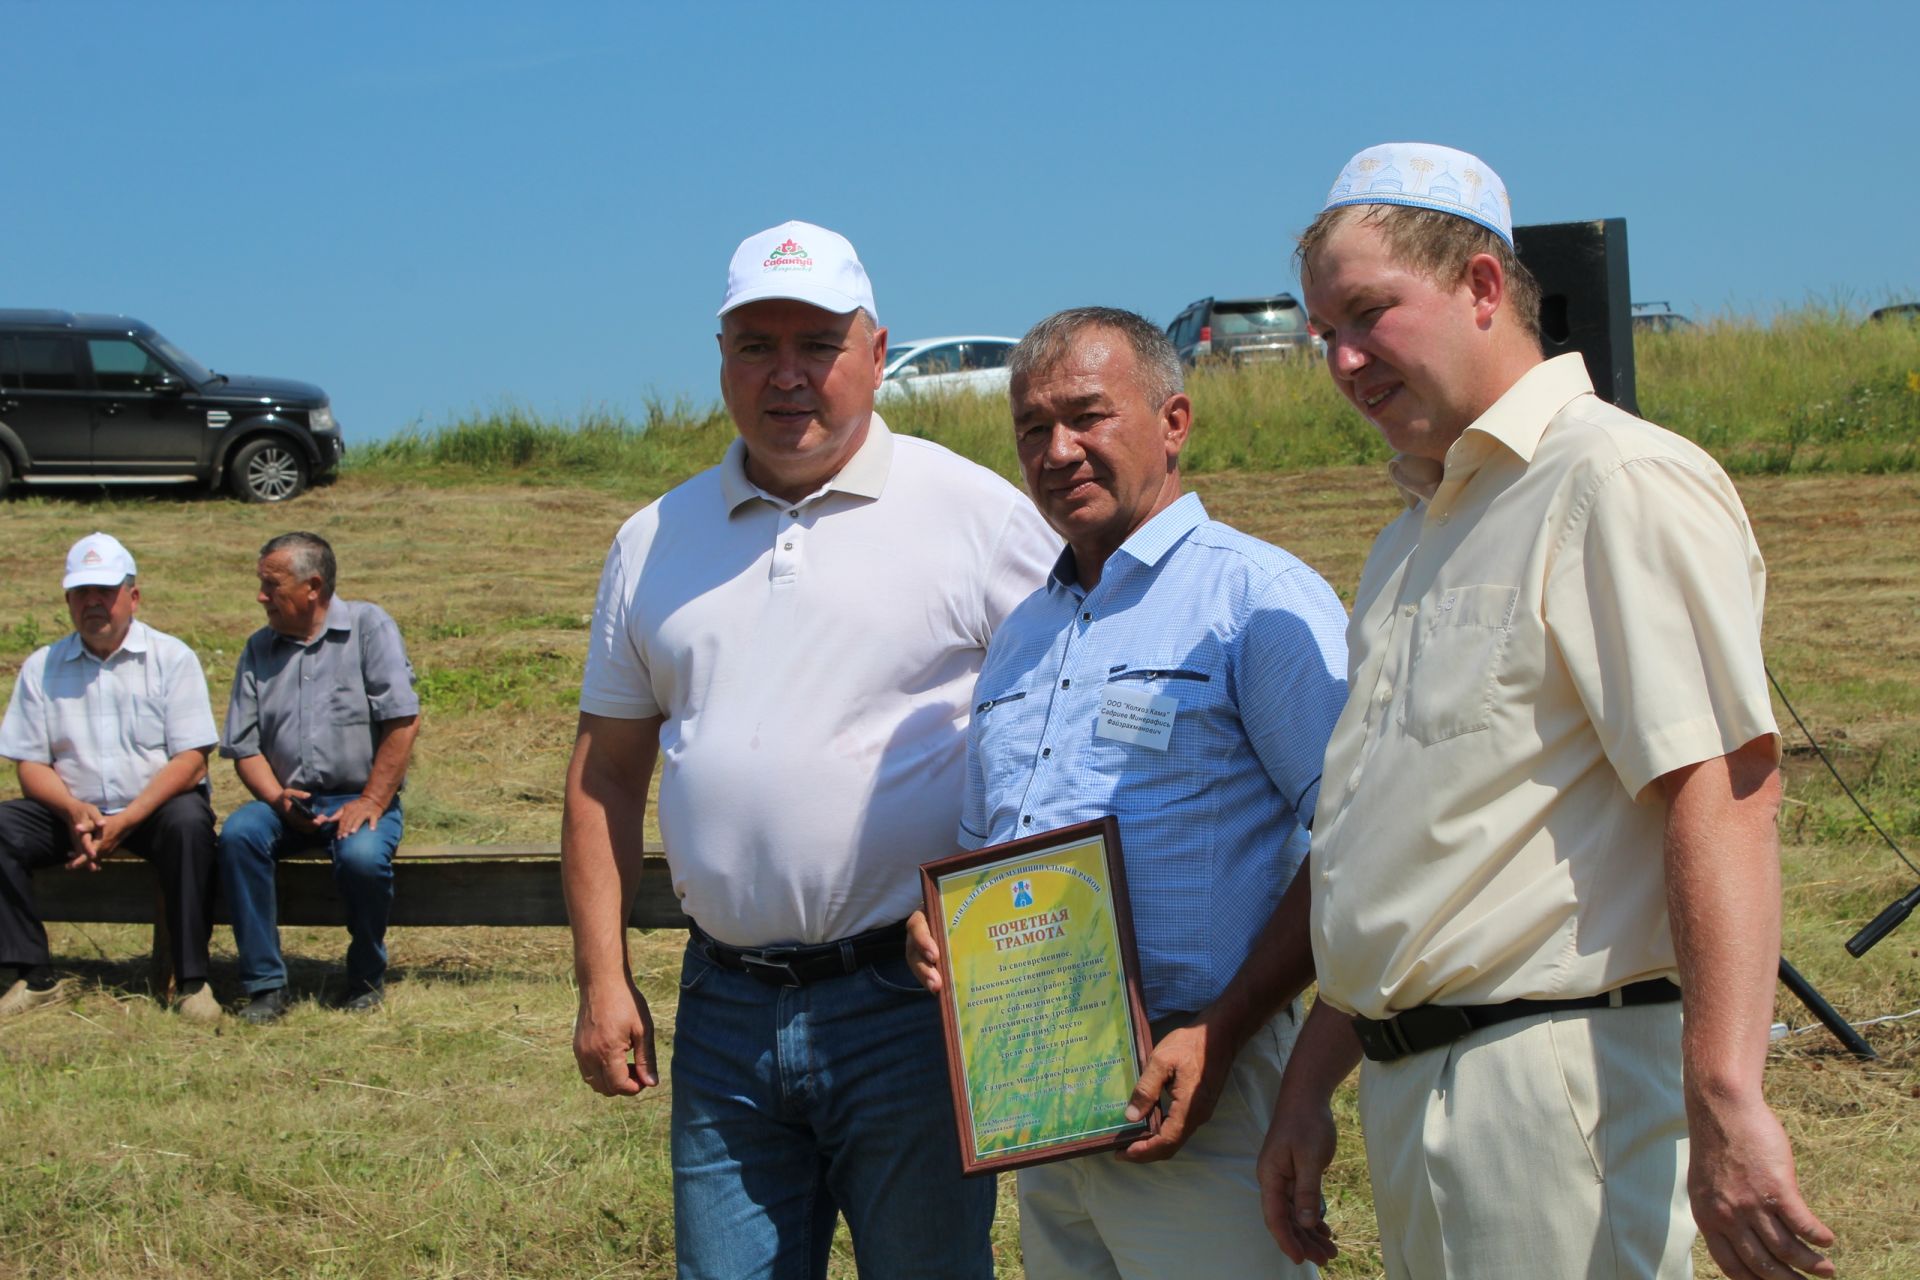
[
  {"x": 795, "y": 633},
  {"x": 1549, "y": 805}
]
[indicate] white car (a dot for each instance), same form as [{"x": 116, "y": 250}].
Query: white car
[{"x": 970, "y": 362}]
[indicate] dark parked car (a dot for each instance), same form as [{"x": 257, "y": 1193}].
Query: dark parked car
[
  {"x": 94, "y": 399},
  {"x": 1239, "y": 330},
  {"x": 1899, "y": 312}
]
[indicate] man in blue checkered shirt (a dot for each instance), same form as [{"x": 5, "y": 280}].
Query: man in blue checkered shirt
[{"x": 1184, "y": 677}]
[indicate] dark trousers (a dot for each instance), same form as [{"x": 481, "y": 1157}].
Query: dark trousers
[{"x": 177, "y": 838}]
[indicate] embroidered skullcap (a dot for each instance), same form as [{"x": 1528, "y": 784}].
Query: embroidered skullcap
[{"x": 1426, "y": 176}]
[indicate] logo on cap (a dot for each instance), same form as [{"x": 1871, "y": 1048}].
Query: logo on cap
[
  {"x": 92, "y": 557},
  {"x": 789, "y": 256}
]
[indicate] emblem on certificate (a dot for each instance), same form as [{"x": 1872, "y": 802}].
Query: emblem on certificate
[{"x": 1046, "y": 1032}]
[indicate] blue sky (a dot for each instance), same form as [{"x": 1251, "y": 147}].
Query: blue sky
[{"x": 429, "y": 209}]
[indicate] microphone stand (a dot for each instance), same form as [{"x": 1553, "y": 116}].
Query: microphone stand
[
  {"x": 1817, "y": 1005},
  {"x": 1883, "y": 924},
  {"x": 1858, "y": 945}
]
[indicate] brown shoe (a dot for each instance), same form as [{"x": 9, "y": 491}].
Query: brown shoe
[
  {"x": 20, "y": 997},
  {"x": 197, "y": 1005}
]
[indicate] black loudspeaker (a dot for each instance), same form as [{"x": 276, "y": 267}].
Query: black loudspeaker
[{"x": 1585, "y": 303}]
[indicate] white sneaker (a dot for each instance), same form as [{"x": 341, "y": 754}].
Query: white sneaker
[
  {"x": 20, "y": 997},
  {"x": 198, "y": 1004}
]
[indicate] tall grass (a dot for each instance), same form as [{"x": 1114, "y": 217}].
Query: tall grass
[
  {"x": 1814, "y": 390},
  {"x": 512, "y": 441},
  {"x": 1284, "y": 416}
]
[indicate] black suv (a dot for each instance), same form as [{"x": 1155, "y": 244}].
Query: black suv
[
  {"x": 90, "y": 399},
  {"x": 1241, "y": 330}
]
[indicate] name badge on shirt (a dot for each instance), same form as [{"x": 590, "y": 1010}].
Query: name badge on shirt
[{"x": 1131, "y": 715}]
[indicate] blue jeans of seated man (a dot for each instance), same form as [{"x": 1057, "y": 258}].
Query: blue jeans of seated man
[
  {"x": 253, "y": 838},
  {"x": 793, "y": 1103}
]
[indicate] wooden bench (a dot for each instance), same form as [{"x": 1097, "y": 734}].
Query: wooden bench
[{"x": 494, "y": 885}]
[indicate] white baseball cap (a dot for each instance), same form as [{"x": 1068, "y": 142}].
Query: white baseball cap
[
  {"x": 1425, "y": 175},
  {"x": 800, "y": 261},
  {"x": 97, "y": 560}
]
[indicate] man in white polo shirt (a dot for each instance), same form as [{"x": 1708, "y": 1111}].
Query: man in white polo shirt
[
  {"x": 110, "y": 729},
  {"x": 1548, "y": 810},
  {"x": 796, "y": 632}
]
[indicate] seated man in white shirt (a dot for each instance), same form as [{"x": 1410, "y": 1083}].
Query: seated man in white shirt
[{"x": 109, "y": 729}]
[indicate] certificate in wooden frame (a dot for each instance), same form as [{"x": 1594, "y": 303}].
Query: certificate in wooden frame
[{"x": 1046, "y": 1031}]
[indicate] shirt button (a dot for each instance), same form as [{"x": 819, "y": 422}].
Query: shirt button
[
  {"x": 794, "y": 513},
  {"x": 1065, "y": 683},
  {"x": 1442, "y": 518},
  {"x": 1408, "y": 610},
  {"x": 1027, "y": 821},
  {"x": 1354, "y": 780},
  {"x": 1086, "y": 617},
  {"x": 788, "y": 547},
  {"x": 1045, "y": 752},
  {"x": 1384, "y": 696}
]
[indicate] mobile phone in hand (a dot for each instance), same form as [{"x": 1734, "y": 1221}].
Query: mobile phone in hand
[{"x": 299, "y": 808}]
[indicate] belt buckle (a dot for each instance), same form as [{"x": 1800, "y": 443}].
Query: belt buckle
[
  {"x": 1373, "y": 1040},
  {"x": 773, "y": 968},
  {"x": 1418, "y": 1029},
  {"x": 1431, "y": 1025}
]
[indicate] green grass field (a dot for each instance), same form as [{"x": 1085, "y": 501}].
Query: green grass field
[
  {"x": 1815, "y": 390},
  {"x": 449, "y": 1135}
]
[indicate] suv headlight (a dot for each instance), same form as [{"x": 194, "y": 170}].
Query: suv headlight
[{"x": 321, "y": 419}]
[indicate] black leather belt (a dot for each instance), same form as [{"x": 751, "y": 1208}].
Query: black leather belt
[
  {"x": 1433, "y": 1025},
  {"x": 797, "y": 966}
]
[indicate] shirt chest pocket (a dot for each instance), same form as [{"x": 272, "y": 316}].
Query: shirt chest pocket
[
  {"x": 150, "y": 725},
  {"x": 1458, "y": 647},
  {"x": 1146, "y": 706},
  {"x": 1006, "y": 734},
  {"x": 347, "y": 704}
]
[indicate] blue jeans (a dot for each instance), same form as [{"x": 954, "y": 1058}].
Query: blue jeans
[
  {"x": 793, "y": 1103},
  {"x": 250, "y": 843}
]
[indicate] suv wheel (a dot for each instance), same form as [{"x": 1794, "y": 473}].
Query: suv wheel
[
  {"x": 267, "y": 470},
  {"x": 6, "y": 473}
]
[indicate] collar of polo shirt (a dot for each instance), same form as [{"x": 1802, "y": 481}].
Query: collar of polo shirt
[{"x": 864, "y": 476}]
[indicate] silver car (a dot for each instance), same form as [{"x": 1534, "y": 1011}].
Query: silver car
[{"x": 937, "y": 366}]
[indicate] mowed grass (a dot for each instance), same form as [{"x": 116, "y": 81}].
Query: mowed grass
[{"x": 449, "y": 1135}]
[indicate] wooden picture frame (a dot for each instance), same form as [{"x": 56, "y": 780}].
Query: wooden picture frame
[{"x": 1045, "y": 1027}]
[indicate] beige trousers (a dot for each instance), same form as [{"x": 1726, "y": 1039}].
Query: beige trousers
[
  {"x": 1552, "y": 1146},
  {"x": 1196, "y": 1215}
]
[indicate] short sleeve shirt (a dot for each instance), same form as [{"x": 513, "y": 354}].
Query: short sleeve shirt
[
  {"x": 1568, "y": 612},
  {"x": 107, "y": 726},
  {"x": 812, "y": 661},
  {"x": 1236, "y": 647},
  {"x": 314, "y": 709}
]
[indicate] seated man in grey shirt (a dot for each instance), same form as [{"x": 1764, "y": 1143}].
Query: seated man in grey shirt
[{"x": 320, "y": 728}]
